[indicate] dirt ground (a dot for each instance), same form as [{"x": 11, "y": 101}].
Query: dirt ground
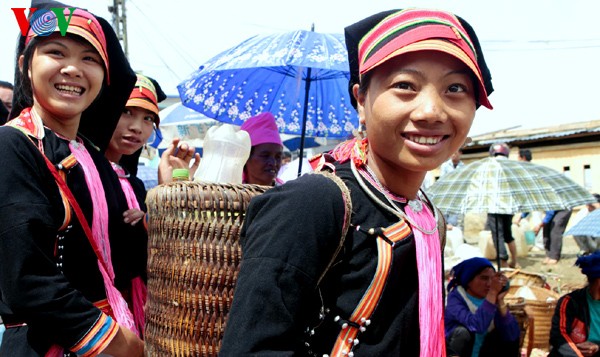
[{"x": 562, "y": 277}]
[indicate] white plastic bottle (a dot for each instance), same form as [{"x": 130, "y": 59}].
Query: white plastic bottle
[{"x": 225, "y": 152}]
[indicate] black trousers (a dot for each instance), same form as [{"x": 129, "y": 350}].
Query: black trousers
[
  {"x": 553, "y": 233},
  {"x": 501, "y": 227}
]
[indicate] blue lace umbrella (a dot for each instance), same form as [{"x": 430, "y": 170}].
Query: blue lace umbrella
[
  {"x": 301, "y": 77},
  {"x": 293, "y": 144},
  {"x": 177, "y": 114}
]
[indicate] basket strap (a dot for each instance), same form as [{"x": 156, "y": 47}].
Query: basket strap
[
  {"x": 78, "y": 212},
  {"x": 347, "y": 216}
]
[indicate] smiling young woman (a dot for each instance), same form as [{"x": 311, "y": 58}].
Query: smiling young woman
[
  {"x": 308, "y": 285},
  {"x": 61, "y": 277},
  {"x": 67, "y": 78},
  {"x": 417, "y": 111}
]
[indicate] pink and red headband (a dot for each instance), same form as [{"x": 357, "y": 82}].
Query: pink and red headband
[
  {"x": 82, "y": 24},
  {"x": 418, "y": 30}
]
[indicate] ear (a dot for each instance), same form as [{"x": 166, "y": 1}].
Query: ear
[
  {"x": 360, "y": 103},
  {"x": 21, "y": 62}
]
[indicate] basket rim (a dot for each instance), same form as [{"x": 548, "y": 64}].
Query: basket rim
[{"x": 546, "y": 293}]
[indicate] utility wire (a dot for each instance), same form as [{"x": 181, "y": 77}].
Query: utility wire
[
  {"x": 523, "y": 49},
  {"x": 180, "y": 51},
  {"x": 158, "y": 54}
]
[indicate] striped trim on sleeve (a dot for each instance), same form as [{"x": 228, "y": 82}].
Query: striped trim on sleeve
[
  {"x": 97, "y": 338},
  {"x": 563, "y": 325}
]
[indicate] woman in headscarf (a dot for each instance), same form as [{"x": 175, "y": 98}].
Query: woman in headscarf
[
  {"x": 59, "y": 289},
  {"x": 266, "y": 153},
  {"x": 308, "y": 285},
  {"x": 576, "y": 322},
  {"x": 138, "y": 120},
  {"x": 478, "y": 322}
]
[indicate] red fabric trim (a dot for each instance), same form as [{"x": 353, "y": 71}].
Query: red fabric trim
[{"x": 563, "y": 325}]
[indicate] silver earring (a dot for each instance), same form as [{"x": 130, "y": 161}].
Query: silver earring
[{"x": 361, "y": 132}]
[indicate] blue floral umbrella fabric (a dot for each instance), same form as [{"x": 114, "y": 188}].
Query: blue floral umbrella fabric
[
  {"x": 293, "y": 144},
  {"x": 273, "y": 73},
  {"x": 178, "y": 114}
]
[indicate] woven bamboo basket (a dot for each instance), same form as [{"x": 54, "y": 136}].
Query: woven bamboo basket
[
  {"x": 516, "y": 306},
  {"x": 540, "y": 309},
  {"x": 193, "y": 262},
  {"x": 525, "y": 278}
]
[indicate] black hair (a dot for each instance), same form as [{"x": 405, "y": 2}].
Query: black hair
[
  {"x": 525, "y": 154},
  {"x": 364, "y": 82},
  {"x": 23, "y": 91},
  {"x": 5, "y": 84}
]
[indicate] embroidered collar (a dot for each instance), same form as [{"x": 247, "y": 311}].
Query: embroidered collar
[{"x": 29, "y": 122}]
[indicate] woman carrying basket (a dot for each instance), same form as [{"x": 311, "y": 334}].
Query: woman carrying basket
[{"x": 349, "y": 263}]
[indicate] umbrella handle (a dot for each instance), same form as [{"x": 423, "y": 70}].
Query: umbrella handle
[
  {"x": 304, "y": 115},
  {"x": 497, "y": 244}
]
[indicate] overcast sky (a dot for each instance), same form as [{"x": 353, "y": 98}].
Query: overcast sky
[{"x": 543, "y": 54}]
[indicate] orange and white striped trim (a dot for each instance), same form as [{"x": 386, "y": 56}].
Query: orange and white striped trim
[
  {"x": 360, "y": 318},
  {"x": 66, "y": 164}
]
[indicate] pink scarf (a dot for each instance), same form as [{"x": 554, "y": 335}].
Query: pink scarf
[
  {"x": 429, "y": 266},
  {"x": 132, "y": 201},
  {"x": 100, "y": 234},
  {"x": 139, "y": 291}
]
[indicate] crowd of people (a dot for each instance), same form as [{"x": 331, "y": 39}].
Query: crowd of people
[{"x": 347, "y": 261}]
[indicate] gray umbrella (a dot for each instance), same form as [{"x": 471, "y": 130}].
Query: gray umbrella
[{"x": 502, "y": 186}]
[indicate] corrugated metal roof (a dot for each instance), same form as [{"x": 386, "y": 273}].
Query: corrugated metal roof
[{"x": 508, "y": 136}]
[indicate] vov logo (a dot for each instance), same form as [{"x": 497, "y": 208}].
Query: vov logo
[{"x": 45, "y": 21}]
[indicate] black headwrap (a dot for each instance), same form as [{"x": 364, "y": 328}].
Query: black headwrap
[
  {"x": 99, "y": 120},
  {"x": 355, "y": 32},
  {"x": 130, "y": 162},
  {"x": 3, "y": 114}
]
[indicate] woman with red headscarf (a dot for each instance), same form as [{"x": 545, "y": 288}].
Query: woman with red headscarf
[
  {"x": 138, "y": 120},
  {"x": 59, "y": 273},
  {"x": 351, "y": 264}
]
